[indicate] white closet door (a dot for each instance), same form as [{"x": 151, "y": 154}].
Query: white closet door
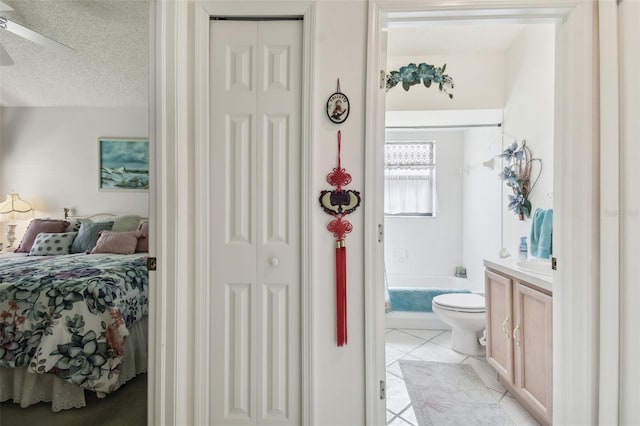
[{"x": 256, "y": 100}]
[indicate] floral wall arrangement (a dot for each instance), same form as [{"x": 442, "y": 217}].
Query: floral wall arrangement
[
  {"x": 517, "y": 176},
  {"x": 426, "y": 74}
]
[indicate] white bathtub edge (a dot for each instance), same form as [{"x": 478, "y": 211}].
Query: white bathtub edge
[{"x": 415, "y": 320}]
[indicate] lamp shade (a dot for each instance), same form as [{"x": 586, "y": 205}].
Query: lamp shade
[{"x": 14, "y": 204}]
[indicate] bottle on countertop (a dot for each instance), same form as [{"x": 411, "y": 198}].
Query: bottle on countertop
[{"x": 523, "y": 250}]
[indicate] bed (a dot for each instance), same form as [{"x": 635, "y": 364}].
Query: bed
[{"x": 70, "y": 324}]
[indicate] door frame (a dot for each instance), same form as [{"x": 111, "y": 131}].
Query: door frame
[
  {"x": 578, "y": 168},
  {"x": 179, "y": 110},
  {"x": 203, "y": 12}
]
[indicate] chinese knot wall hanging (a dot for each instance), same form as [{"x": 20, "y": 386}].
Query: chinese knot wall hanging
[{"x": 339, "y": 203}]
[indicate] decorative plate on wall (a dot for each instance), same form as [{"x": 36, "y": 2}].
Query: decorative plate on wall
[{"x": 338, "y": 106}]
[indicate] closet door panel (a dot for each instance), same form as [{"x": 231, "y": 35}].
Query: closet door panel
[{"x": 255, "y": 126}]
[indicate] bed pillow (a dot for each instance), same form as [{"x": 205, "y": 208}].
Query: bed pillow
[
  {"x": 74, "y": 226},
  {"x": 117, "y": 242},
  {"x": 37, "y": 226},
  {"x": 126, "y": 223},
  {"x": 143, "y": 242},
  {"x": 52, "y": 244},
  {"x": 88, "y": 235}
]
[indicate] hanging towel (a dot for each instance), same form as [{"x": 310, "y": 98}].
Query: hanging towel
[
  {"x": 546, "y": 234},
  {"x": 536, "y": 228}
]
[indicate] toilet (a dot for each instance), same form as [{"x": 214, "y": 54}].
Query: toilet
[{"x": 465, "y": 314}]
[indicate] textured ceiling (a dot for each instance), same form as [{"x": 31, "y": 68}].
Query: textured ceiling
[
  {"x": 110, "y": 64},
  {"x": 111, "y": 60}
]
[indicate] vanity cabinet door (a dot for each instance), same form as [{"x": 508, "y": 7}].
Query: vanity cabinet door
[
  {"x": 498, "y": 297},
  {"x": 532, "y": 337}
]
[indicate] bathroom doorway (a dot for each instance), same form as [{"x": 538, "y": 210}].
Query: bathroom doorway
[
  {"x": 437, "y": 14},
  {"x": 438, "y": 246}
]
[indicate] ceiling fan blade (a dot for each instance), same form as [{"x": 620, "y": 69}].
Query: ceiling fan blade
[
  {"x": 33, "y": 36},
  {"x": 5, "y": 7},
  {"x": 5, "y": 59}
]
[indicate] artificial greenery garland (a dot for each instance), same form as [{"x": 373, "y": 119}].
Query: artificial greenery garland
[{"x": 426, "y": 74}]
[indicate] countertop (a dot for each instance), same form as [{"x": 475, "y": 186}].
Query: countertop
[{"x": 509, "y": 267}]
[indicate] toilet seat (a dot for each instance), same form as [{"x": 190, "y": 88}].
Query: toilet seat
[{"x": 460, "y": 302}]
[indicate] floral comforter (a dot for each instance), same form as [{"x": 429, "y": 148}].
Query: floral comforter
[{"x": 68, "y": 315}]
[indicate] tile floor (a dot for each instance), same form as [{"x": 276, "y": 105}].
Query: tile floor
[{"x": 435, "y": 345}]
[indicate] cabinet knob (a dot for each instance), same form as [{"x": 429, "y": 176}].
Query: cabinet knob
[
  {"x": 274, "y": 261},
  {"x": 516, "y": 335}
]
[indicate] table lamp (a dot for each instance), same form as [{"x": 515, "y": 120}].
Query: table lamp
[{"x": 12, "y": 205}]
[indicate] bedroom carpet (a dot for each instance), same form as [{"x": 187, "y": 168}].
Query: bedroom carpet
[
  {"x": 450, "y": 394},
  {"x": 126, "y": 407}
]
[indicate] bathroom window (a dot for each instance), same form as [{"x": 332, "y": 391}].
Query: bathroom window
[{"x": 409, "y": 178}]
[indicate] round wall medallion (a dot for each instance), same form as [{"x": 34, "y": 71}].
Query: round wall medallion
[{"x": 338, "y": 107}]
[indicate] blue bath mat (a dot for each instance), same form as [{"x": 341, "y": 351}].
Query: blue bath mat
[{"x": 415, "y": 299}]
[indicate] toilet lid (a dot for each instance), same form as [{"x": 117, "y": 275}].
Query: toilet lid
[{"x": 467, "y": 302}]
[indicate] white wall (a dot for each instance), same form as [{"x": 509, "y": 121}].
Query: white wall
[
  {"x": 427, "y": 246},
  {"x": 341, "y": 46},
  {"x": 481, "y": 208},
  {"x": 529, "y": 115},
  {"x": 49, "y": 155},
  {"x": 338, "y": 373},
  {"x": 478, "y": 79}
]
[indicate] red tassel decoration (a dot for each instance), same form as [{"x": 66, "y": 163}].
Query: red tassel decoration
[
  {"x": 341, "y": 293},
  {"x": 339, "y": 203}
]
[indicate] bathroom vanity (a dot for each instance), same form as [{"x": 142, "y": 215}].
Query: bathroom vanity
[{"x": 519, "y": 331}]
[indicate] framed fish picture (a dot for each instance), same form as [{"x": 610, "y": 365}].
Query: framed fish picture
[{"x": 124, "y": 164}]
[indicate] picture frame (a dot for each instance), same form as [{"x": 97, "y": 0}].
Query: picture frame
[
  {"x": 338, "y": 107},
  {"x": 123, "y": 164}
]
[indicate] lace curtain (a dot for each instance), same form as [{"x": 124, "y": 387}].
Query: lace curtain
[{"x": 409, "y": 176}]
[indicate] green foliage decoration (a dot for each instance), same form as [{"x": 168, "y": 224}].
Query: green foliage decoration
[{"x": 426, "y": 74}]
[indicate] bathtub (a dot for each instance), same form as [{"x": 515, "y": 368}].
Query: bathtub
[{"x": 411, "y": 299}]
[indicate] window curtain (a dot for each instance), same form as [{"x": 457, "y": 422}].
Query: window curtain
[
  {"x": 409, "y": 178},
  {"x": 408, "y": 191}
]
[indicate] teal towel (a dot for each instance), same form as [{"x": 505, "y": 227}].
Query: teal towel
[
  {"x": 546, "y": 234},
  {"x": 536, "y": 227}
]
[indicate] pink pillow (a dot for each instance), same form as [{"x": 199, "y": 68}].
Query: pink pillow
[
  {"x": 117, "y": 242},
  {"x": 37, "y": 226},
  {"x": 143, "y": 242}
]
